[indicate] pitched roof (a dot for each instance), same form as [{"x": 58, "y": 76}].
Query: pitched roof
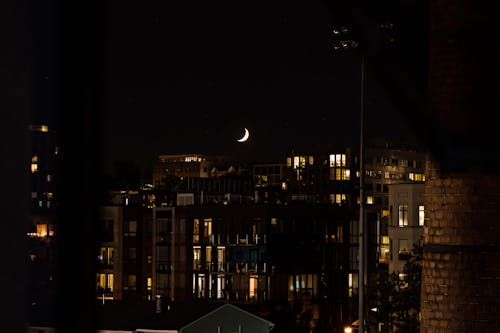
[
  {"x": 132, "y": 315},
  {"x": 231, "y": 307}
]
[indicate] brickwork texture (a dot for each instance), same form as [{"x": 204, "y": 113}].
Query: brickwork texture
[{"x": 461, "y": 267}]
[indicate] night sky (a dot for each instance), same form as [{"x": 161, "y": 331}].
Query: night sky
[{"x": 187, "y": 77}]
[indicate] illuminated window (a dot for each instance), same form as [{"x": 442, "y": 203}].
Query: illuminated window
[
  {"x": 34, "y": 159},
  {"x": 41, "y": 230},
  {"x": 385, "y": 212},
  {"x": 302, "y": 285},
  {"x": 418, "y": 177},
  {"x": 340, "y": 198},
  {"x": 337, "y": 160},
  {"x": 199, "y": 285},
  {"x": 149, "y": 284},
  {"x": 105, "y": 256},
  {"x": 208, "y": 254},
  {"x": 196, "y": 231},
  {"x": 403, "y": 215},
  {"x": 340, "y": 233},
  {"x": 34, "y": 167},
  {"x": 207, "y": 229},
  {"x": 421, "y": 215},
  {"x": 49, "y": 178},
  {"x": 369, "y": 199},
  {"x": 104, "y": 282},
  {"x": 342, "y": 174},
  {"x": 221, "y": 253},
  {"x": 221, "y": 284},
  {"x": 352, "y": 284},
  {"x": 384, "y": 249},
  {"x": 196, "y": 257},
  {"x": 253, "y": 286}
]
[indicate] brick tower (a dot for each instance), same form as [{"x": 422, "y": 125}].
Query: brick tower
[{"x": 461, "y": 268}]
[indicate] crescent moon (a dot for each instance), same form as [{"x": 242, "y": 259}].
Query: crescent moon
[{"x": 245, "y": 136}]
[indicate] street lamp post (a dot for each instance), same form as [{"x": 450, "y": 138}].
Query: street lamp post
[
  {"x": 344, "y": 44},
  {"x": 362, "y": 256}
]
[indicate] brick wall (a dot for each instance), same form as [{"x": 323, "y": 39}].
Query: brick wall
[{"x": 461, "y": 267}]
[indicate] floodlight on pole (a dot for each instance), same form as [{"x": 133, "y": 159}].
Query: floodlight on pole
[{"x": 344, "y": 43}]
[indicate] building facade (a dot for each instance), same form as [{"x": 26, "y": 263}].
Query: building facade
[{"x": 406, "y": 222}]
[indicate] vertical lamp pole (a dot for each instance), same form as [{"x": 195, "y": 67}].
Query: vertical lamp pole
[
  {"x": 344, "y": 43},
  {"x": 361, "y": 248}
]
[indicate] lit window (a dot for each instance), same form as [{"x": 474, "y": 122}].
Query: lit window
[
  {"x": 221, "y": 252},
  {"x": 208, "y": 254},
  {"x": 149, "y": 283},
  {"x": 34, "y": 159},
  {"x": 41, "y": 230},
  {"x": 385, "y": 213},
  {"x": 34, "y": 167},
  {"x": 104, "y": 282},
  {"x": 403, "y": 215},
  {"x": 384, "y": 249},
  {"x": 421, "y": 215},
  {"x": 196, "y": 256},
  {"x": 418, "y": 177},
  {"x": 196, "y": 231},
  {"x": 340, "y": 198},
  {"x": 340, "y": 233},
  {"x": 337, "y": 160},
  {"x": 369, "y": 199},
  {"x": 302, "y": 285},
  {"x": 207, "y": 229},
  {"x": 352, "y": 284},
  {"x": 49, "y": 178},
  {"x": 253, "y": 286},
  {"x": 342, "y": 174}
]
